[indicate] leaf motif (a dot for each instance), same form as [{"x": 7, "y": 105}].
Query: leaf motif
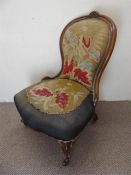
[
  {"x": 46, "y": 103},
  {"x": 95, "y": 55},
  {"x": 81, "y": 75},
  {"x": 62, "y": 99},
  {"x": 77, "y": 95},
  {"x": 85, "y": 42},
  {"x": 68, "y": 67},
  {"x": 60, "y": 89},
  {"x": 42, "y": 92},
  {"x": 75, "y": 98},
  {"x": 87, "y": 65}
]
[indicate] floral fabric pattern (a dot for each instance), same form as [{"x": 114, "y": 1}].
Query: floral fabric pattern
[
  {"x": 43, "y": 92},
  {"x": 68, "y": 67},
  {"x": 62, "y": 99},
  {"x": 84, "y": 44},
  {"x": 81, "y": 75},
  {"x": 57, "y": 96}
]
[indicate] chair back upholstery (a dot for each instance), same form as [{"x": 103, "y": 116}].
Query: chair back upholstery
[{"x": 86, "y": 45}]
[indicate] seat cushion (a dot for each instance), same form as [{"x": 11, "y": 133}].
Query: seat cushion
[
  {"x": 57, "y": 96},
  {"x": 60, "y": 126}
]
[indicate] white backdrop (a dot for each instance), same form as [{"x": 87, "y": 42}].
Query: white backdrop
[{"x": 29, "y": 43}]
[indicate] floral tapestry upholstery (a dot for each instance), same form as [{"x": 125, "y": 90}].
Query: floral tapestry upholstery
[
  {"x": 57, "y": 96},
  {"x": 84, "y": 44}
]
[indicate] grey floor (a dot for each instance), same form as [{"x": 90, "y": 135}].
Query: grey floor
[{"x": 102, "y": 148}]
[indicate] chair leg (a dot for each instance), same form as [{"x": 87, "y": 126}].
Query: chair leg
[
  {"x": 23, "y": 122},
  {"x": 94, "y": 118},
  {"x": 66, "y": 148}
]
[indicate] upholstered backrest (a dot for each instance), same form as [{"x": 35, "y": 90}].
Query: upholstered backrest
[{"x": 84, "y": 45}]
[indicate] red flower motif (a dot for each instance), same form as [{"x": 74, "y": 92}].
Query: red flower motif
[
  {"x": 81, "y": 75},
  {"x": 86, "y": 44},
  {"x": 68, "y": 67},
  {"x": 62, "y": 99},
  {"x": 43, "y": 92}
]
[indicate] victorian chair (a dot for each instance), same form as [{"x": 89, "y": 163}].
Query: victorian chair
[{"x": 62, "y": 106}]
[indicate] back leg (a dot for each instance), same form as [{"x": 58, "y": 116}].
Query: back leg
[
  {"x": 23, "y": 122},
  {"x": 94, "y": 118}
]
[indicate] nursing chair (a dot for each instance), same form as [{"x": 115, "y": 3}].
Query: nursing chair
[{"x": 62, "y": 106}]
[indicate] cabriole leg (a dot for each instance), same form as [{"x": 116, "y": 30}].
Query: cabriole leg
[{"x": 66, "y": 148}]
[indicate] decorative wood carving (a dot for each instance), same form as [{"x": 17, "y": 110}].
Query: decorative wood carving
[{"x": 94, "y": 14}]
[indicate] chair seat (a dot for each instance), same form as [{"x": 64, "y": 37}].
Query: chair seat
[
  {"x": 57, "y": 96},
  {"x": 65, "y": 120}
]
